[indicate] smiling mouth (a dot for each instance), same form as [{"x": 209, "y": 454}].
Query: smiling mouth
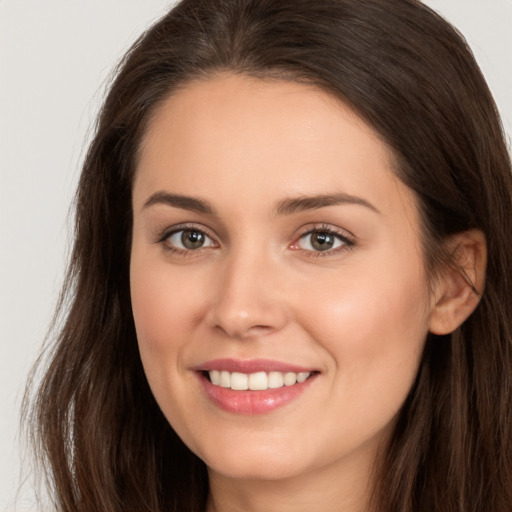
[
  {"x": 258, "y": 381},
  {"x": 256, "y": 386}
]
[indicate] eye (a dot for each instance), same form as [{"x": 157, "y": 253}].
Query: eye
[
  {"x": 322, "y": 241},
  {"x": 189, "y": 240}
]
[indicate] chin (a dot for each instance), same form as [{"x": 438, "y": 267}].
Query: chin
[
  {"x": 255, "y": 469},
  {"x": 254, "y": 461}
]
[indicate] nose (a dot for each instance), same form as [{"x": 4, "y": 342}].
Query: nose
[{"x": 249, "y": 299}]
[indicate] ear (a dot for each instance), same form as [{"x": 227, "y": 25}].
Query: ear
[{"x": 459, "y": 286}]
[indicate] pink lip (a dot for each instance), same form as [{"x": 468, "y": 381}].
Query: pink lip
[
  {"x": 251, "y": 366},
  {"x": 251, "y": 402}
]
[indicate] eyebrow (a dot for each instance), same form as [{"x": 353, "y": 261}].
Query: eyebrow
[
  {"x": 300, "y": 204},
  {"x": 286, "y": 207},
  {"x": 179, "y": 201}
]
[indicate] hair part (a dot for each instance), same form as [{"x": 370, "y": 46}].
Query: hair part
[{"x": 411, "y": 77}]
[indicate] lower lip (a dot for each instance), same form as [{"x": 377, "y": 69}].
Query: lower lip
[{"x": 253, "y": 402}]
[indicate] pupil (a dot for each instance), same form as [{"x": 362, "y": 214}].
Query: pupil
[
  {"x": 192, "y": 239},
  {"x": 322, "y": 241}
]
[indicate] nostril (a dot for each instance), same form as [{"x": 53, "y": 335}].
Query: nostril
[
  {"x": 260, "y": 328},
  {"x": 257, "y": 330},
  {"x": 242, "y": 332}
]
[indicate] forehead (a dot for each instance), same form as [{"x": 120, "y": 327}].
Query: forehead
[{"x": 245, "y": 139}]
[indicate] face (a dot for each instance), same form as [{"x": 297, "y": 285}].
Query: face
[{"x": 278, "y": 286}]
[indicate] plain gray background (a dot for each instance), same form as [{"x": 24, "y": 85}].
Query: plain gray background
[{"x": 54, "y": 59}]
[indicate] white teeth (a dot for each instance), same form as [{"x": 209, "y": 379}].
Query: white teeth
[
  {"x": 290, "y": 378},
  {"x": 275, "y": 380},
  {"x": 225, "y": 379},
  {"x": 239, "y": 381},
  {"x": 215, "y": 377},
  {"x": 302, "y": 376},
  {"x": 258, "y": 381}
]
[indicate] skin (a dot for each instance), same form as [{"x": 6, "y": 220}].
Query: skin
[{"x": 358, "y": 313}]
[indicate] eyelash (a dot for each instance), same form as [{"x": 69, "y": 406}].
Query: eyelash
[
  {"x": 168, "y": 233},
  {"x": 347, "y": 242}
]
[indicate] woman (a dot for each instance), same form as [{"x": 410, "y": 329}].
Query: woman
[{"x": 290, "y": 285}]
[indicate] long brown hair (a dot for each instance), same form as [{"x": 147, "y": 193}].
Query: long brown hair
[{"x": 103, "y": 442}]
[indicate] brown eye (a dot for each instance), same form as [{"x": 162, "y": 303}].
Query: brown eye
[
  {"x": 189, "y": 239},
  {"x": 321, "y": 241},
  {"x": 192, "y": 239}
]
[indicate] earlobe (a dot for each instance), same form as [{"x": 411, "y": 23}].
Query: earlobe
[{"x": 459, "y": 287}]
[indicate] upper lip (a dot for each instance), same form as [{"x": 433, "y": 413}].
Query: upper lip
[{"x": 251, "y": 366}]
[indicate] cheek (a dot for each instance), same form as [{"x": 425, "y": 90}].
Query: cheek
[
  {"x": 162, "y": 300},
  {"x": 373, "y": 316},
  {"x": 360, "y": 301},
  {"x": 374, "y": 327},
  {"x": 165, "y": 308}
]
